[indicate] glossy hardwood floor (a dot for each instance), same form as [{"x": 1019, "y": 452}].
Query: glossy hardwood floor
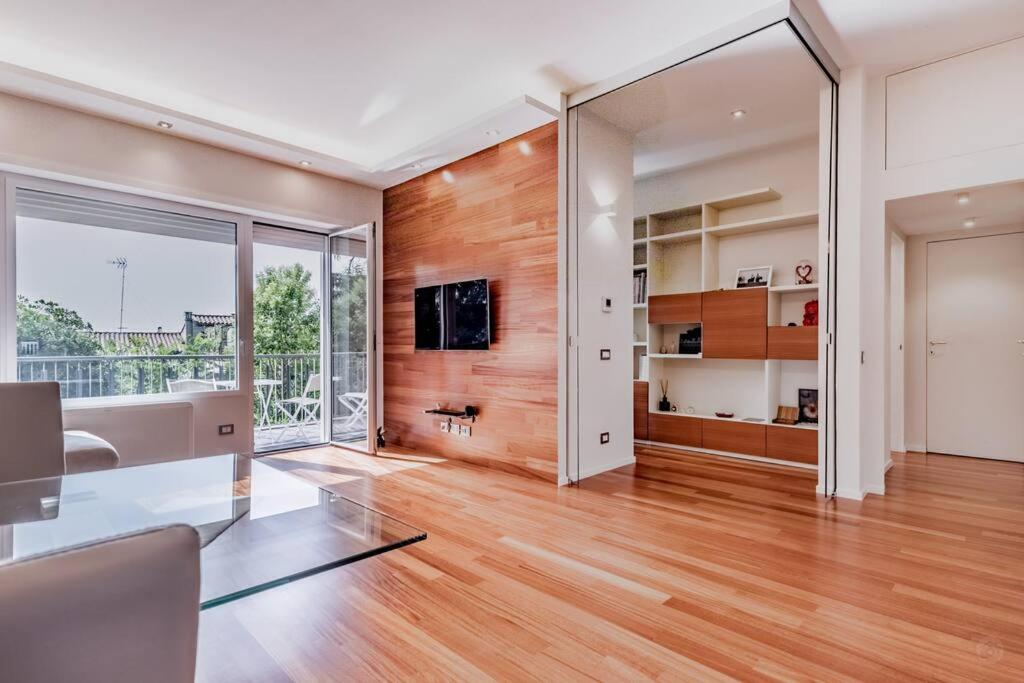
[{"x": 678, "y": 568}]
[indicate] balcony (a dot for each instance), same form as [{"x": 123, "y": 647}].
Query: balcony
[{"x": 276, "y": 376}]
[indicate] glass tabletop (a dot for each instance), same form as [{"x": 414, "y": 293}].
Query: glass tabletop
[{"x": 259, "y": 527}]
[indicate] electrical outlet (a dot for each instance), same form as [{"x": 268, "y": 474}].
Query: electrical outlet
[
  {"x": 605, "y": 437},
  {"x": 224, "y": 430},
  {"x": 445, "y": 426},
  {"x": 465, "y": 431}
]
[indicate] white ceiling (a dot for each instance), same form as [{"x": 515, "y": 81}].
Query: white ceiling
[
  {"x": 356, "y": 87},
  {"x": 366, "y": 89},
  {"x": 682, "y": 116},
  {"x": 992, "y": 206}
]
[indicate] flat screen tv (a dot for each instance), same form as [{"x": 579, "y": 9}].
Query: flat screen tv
[{"x": 453, "y": 317}]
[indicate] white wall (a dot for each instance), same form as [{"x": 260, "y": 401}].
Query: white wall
[
  {"x": 602, "y": 245},
  {"x": 52, "y": 142},
  {"x": 916, "y": 349},
  {"x": 957, "y": 106}
]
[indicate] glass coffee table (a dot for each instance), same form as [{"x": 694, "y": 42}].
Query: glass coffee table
[{"x": 258, "y": 526}]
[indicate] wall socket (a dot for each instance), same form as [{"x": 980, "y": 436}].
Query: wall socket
[
  {"x": 224, "y": 430},
  {"x": 446, "y": 426},
  {"x": 465, "y": 431},
  {"x": 605, "y": 437}
]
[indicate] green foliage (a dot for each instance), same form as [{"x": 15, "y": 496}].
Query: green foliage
[
  {"x": 58, "y": 331},
  {"x": 348, "y": 306},
  {"x": 286, "y": 311}
]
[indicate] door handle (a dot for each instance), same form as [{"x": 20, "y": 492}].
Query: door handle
[{"x": 938, "y": 343}]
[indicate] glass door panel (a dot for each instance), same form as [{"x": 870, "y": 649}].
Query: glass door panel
[
  {"x": 351, "y": 338},
  {"x": 288, "y": 268}
]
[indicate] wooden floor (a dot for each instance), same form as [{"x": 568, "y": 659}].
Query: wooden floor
[{"x": 678, "y": 568}]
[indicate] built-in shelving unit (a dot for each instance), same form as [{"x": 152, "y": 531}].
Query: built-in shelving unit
[{"x": 755, "y": 352}]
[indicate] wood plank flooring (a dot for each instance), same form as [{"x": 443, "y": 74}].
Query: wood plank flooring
[{"x": 678, "y": 568}]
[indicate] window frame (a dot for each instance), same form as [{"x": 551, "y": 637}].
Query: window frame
[{"x": 11, "y": 182}]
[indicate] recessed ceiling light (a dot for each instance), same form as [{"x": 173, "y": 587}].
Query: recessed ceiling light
[
  {"x": 492, "y": 133},
  {"x": 166, "y": 125},
  {"x": 738, "y": 113},
  {"x": 416, "y": 166},
  {"x": 970, "y": 223},
  {"x": 447, "y": 176},
  {"x": 305, "y": 163},
  {"x": 963, "y": 199}
]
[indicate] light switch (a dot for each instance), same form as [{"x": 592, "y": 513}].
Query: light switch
[{"x": 606, "y": 354}]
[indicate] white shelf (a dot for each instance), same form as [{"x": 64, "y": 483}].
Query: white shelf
[
  {"x": 640, "y": 343},
  {"x": 676, "y": 355},
  {"x": 639, "y": 266},
  {"x": 763, "y": 194},
  {"x": 642, "y": 240},
  {"x": 789, "y": 220},
  {"x": 787, "y": 289},
  {"x": 712, "y": 417},
  {"x": 799, "y": 425},
  {"x": 639, "y": 305},
  {"x": 683, "y": 236}
]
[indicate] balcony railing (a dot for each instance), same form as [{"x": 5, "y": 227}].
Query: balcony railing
[{"x": 109, "y": 376}]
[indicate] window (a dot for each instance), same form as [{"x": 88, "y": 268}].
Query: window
[{"x": 122, "y": 300}]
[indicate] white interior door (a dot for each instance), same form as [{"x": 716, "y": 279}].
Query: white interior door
[{"x": 976, "y": 347}]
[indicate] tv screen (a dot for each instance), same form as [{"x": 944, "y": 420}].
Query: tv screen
[
  {"x": 428, "y": 317},
  {"x": 454, "y": 316}
]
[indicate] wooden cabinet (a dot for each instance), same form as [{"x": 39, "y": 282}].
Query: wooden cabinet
[
  {"x": 733, "y": 436},
  {"x": 640, "y": 397},
  {"x": 680, "y": 430},
  {"x": 794, "y": 444},
  {"x": 793, "y": 343},
  {"x": 735, "y": 323},
  {"x": 667, "y": 309}
]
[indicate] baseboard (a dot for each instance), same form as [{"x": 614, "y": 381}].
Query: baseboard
[
  {"x": 852, "y": 494},
  {"x": 888, "y": 464},
  {"x": 876, "y": 489},
  {"x": 916, "y": 448}
]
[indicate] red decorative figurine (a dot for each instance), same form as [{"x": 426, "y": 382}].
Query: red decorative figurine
[{"x": 811, "y": 313}]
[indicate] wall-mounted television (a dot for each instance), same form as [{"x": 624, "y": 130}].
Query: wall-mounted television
[{"x": 453, "y": 317}]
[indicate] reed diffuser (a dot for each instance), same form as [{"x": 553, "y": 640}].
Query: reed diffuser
[{"x": 663, "y": 404}]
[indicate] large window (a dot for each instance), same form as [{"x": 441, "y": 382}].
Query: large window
[{"x": 121, "y": 300}]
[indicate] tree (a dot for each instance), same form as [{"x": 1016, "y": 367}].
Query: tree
[
  {"x": 286, "y": 311},
  {"x": 59, "y": 331},
  {"x": 348, "y": 306}
]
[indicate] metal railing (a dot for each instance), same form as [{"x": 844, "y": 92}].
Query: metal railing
[{"x": 110, "y": 376}]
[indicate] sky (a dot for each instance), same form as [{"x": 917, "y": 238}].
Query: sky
[{"x": 166, "y": 276}]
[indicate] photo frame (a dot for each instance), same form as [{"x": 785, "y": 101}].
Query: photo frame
[
  {"x": 758, "y": 276},
  {"x": 808, "y": 404}
]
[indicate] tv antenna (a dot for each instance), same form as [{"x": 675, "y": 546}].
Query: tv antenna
[{"x": 121, "y": 263}]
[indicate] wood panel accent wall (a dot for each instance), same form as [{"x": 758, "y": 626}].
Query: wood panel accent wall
[
  {"x": 497, "y": 219},
  {"x": 641, "y": 398},
  {"x": 666, "y": 309},
  {"x": 735, "y": 323}
]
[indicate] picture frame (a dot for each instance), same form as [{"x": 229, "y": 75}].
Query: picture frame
[
  {"x": 808, "y": 404},
  {"x": 757, "y": 276}
]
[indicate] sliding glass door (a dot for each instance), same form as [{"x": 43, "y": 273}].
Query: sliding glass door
[
  {"x": 288, "y": 282},
  {"x": 352, "y": 341}
]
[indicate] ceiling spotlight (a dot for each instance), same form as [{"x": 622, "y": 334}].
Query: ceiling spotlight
[
  {"x": 963, "y": 199},
  {"x": 738, "y": 113},
  {"x": 970, "y": 223},
  {"x": 166, "y": 125},
  {"x": 305, "y": 163},
  {"x": 492, "y": 133},
  {"x": 416, "y": 166}
]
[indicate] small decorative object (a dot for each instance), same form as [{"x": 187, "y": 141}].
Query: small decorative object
[
  {"x": 672, "y": 349},
  {"x": 722, "y": 413},
  {"x": 663, "y": 404},
  {"x": 761, "y": 276},
  {"x": 690, "y": 410},
  {"x": 645, "y": 367},
  {"x": 804, "y": 269},
  {"x": 808, "y": 399},
  {"x": 791, "y": 325},
  {"x": 787, "y": 415},
  {"x": 689, "y": 341},
  {"x": 811, "y": 313},
  {"x": 675, "y": 408},
  {"x": 663, "y": 350}
]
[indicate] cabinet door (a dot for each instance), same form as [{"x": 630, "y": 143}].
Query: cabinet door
[
  {"x": 640, "y": 397},
  {"x": 792, "y": 443},
  {"x": 735, "y": 323},
  {"x": 665, "y": 309},
  {"x": 734, "y": 437},
  {"x": 675, "y": 429}
]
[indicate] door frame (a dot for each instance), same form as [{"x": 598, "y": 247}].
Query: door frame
[
  {"x": 327, "y": 406},
  {"x": 897, "y": 344}
]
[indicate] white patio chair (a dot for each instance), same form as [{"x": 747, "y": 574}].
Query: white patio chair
[
  {"x": 301, "y": 410},
  {"x": 184, "y": 386},
  {"x": 355, "y": 403}
]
